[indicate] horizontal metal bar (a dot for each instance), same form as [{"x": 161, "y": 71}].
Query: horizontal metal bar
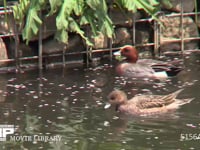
[
  {"x": 169, "y": 15},
  {"x": 7, "y": 35},
  {"x": 178, "y": 40},
  {"x": 2, "y": 12},
  {"x": 185, "y": 52}
]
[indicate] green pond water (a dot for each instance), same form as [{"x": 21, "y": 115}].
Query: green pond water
[{"x": 66, "y": 105}]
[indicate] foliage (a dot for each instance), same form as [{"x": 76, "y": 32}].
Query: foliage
[{"x": 75, "y": 15}]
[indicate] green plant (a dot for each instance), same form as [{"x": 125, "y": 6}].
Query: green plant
[{"x": 74, "y": 15}]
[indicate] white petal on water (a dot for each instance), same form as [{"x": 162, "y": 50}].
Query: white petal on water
[
  {"x": 40, "y": 106},
  {"x": 191, "y": 125},
  {"x": 66, "y": 98},
  {"x": 145, "y": 90},
  {"x": 31, "y": 92},
  {"x": 76, "y": 141},
  {"x": 99, "y": 103},
  {"x": 115, "y": 118},
  {"x": 60, "y": 117},
  {"x": 107, "y": 106},
  {"x": 86, "y": 106},
  {"x": 49, "y": 121},
  {"x": 61, "y": 85},
  {"x": 106, "y": 123},
  {"x": 35, "y": 96}
]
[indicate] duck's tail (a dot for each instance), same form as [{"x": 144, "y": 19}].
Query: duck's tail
[
  {"x": 171, "y": 98},
  {"x": 184, "y": 101},
  {"x": 172, "y": 68},
  {"x": 178, "y": 102}
]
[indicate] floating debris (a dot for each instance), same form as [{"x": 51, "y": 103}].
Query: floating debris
[
  {"x": 61, "y": 117},
  {"x": 156, "y": 137},
  {"x": 61, "y": 85},
  {"x": 12, "y": 79},
  {"x": 76, "y": 141},
  {"x": 35, "y": 97},
  {"x": 99, "y": 129},
  {"x": 107, "y": 106},
  {"x": 191, "y": 125},
  {"x": 106, "y": 123},
  {"x": 115, "y": 118},
  {"x": 66, "y": 98},
  {"x": 86, "y": 107},
  {"x": 32, "y": 92}
]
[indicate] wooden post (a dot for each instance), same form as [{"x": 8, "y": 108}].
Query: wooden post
[
  {"x": 63, "y": 57},
  {"x": 133, "y": 39},
  {"x": 40, "y": 46},
  {"x": 181, "y": 23},
  {"x": 156, "y": 47},
  {"x": 110, "y": 48},
  {"x": 17, "y": 64}
]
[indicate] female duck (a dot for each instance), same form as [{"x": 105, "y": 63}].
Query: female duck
[
  {"x": 132, "y": 67},
  {"x": 146, "y": 104}
]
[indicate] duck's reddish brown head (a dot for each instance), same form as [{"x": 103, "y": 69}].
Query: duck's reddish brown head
[{"x": 130, "y": 53}]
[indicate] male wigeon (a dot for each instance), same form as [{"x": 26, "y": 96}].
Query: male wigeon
[
  {"x": 134, "y": 67},
  {"x": 146, "y": 104}
]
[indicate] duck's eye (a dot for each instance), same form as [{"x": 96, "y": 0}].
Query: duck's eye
[
  {"x": 112, "y": 97},
  {"x": 126, "y": 50}
]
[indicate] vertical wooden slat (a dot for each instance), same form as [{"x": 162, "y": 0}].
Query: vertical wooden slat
[
  {"x": 181, "y": 23},
  {"x": 40, "y": 46}
]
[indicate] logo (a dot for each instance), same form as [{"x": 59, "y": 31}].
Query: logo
[{"x": 6, "y": 130}]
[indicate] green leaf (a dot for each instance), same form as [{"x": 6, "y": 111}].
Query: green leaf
[
  {"x": 62, "y": 36},
  {"x": 32, "y": 25},
  {"x": 166, "y": 3},
  {"x": 20, "y": 10},
  {"x": 74, "y": 27},
  {"x": 108, "y": 27},
  {"x": 54, "y": 4},
  {"x": 72, "y": 15},
  {"x": 128, "y": 4},
  {"x": 78, "y": 7},
  {"x": 83, "y": 20},
  {"x": 66, "y": 10}
]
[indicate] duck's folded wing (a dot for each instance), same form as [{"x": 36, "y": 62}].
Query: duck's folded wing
[
  {"x": 150, "y": 62},
  {"x": 138, "y": 70},
  {"x": 158, "y": 65},
  {"x": 153, "y": 101}
]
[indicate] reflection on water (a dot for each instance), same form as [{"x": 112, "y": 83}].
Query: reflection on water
[{"x": 70, "y": 103}]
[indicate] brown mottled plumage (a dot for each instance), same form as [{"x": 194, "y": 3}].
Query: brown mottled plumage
[{"x": 146, "y": 104}]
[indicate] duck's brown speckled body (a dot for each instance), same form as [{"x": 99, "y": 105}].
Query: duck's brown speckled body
[{"x": 146, "y": 104}]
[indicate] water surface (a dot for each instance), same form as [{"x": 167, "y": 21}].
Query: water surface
[{"x": 70, "y": 103}]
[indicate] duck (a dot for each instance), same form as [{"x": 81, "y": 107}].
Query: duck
[
  {"x": 146, "y": 68},
  {"x": 145, "y": 105}
]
